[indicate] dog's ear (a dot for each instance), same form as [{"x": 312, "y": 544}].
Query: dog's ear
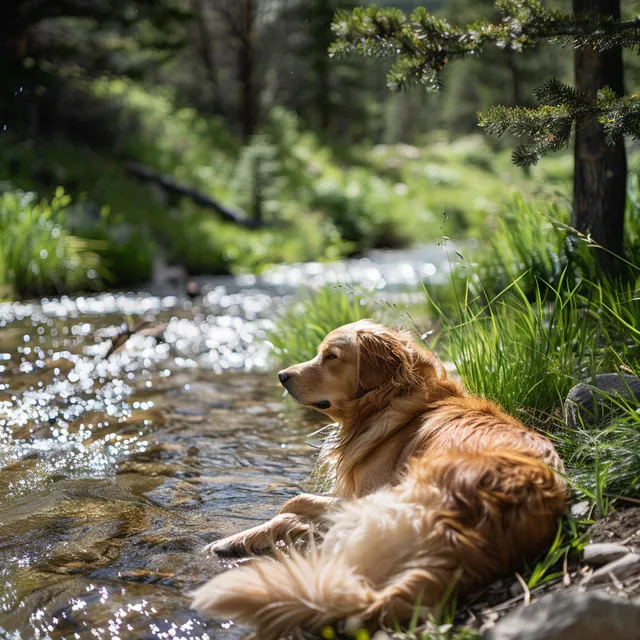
[
  {"x": 430, "y": 364},
  {"x": 383, "y": 356},
  {"x": 386, "y": 355}
]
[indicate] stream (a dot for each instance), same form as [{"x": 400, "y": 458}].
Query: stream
[{"x": 115, "y": 472}]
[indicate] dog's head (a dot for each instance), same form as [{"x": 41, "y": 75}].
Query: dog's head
[{"x": 359, "y": 360}]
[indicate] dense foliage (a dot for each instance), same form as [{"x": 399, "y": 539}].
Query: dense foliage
[{"x": 239, "y": 101}]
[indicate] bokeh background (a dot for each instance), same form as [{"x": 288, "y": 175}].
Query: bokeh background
[{"x": 238, "y": 103}]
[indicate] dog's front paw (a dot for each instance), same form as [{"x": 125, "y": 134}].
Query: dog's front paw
[{"x": 231, "y": 547}]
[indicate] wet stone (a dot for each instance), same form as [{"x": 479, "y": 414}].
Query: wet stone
[
  {"x": 571, "y": 616},
  {"x": 600, "y": 553}
]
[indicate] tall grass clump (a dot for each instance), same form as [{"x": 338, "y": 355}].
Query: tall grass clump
[
  {"x": 533, "y": 244},
  {"x": 603, "y": 454},
  {"x": 603, "y": 461},
  {"x": 305, "y": 323},
  {"x": 523, "y": 353},
  {"x": 38, "y": 255}
]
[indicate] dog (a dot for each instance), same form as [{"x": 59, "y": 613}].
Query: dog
[{"x": 433, "y": 489}]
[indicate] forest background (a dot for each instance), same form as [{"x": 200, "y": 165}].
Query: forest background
[{"x": 222, "y": 136}]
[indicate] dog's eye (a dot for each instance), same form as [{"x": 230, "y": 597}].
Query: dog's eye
[{"x": 331, "y": 356}]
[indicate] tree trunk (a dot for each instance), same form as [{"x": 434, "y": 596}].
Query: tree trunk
[
  {"x": 322, "y": 36},
  {"x": 599, "y": 188},
  {"x": 205, "y": 48},
  {"x": 246, "y": 63}
]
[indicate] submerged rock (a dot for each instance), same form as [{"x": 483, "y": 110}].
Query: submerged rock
[{"x": 571, "y": 616}]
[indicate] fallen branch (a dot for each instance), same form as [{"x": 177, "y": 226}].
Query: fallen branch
[{"x": 170, "y": 185}]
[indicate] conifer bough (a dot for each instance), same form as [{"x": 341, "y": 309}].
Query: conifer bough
[{"x": 421, "y": 45}]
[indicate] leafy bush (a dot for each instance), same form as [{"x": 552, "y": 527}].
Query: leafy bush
[{"x": 38, "y": 255}]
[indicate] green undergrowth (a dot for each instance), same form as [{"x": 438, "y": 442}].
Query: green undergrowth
[
  {"x": 468, "y": 180},
  {"x": 38, "y": 255},
  {"x": 317, "y": 203},
  {"x": 533, "y": 242}
]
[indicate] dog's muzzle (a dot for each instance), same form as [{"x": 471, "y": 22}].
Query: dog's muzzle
[{"x": 285, "y": 379}]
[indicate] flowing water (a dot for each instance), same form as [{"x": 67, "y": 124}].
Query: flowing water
[{"x": 115, "y": 472}]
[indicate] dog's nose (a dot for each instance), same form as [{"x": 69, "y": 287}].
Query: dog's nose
[{"x": 283, "y": 376}]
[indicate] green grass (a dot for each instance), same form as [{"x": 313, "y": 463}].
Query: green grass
[
  {"x": 38, "y": 256},
  {"x": 523, "y": 354},
  {"x": 532, "y": 243},
  {"x": 571, "y": 537},
  {"x": 303, "y": 325},
  {"x": 604, "y": 461}
]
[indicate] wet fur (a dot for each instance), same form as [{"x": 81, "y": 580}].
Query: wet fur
[{"x": 430, "y": 487}]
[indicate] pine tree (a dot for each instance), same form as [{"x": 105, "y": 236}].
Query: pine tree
[
  {"x": 46, "y": 44},
  {"x": 421, "y": 45}
]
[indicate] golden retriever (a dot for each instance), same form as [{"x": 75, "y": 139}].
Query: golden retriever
[{"x": 431, "y": 488}]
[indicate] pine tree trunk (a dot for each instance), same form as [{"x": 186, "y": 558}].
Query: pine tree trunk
[
  {"x": 599, "y": 189},
  {"x": 246, "y": 62},
  {"x": 206, "y": 49},
  {"x": 322, "y": 15}
]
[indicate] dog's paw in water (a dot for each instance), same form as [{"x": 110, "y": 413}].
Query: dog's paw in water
[
  {"x": 231, "y": 547},
  {"x": 280, "y": 531}
]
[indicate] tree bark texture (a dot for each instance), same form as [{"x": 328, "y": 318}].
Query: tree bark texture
[
  {"x": 246, "y": 63},
  {"x": 599, "y": 189}
]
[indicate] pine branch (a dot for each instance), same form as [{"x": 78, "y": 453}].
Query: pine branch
[
  {"x": 421, "y": 45},
  {"x": 549, "y": 126}
]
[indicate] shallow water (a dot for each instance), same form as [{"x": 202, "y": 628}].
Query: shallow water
[{"x": 114, "y": 472}]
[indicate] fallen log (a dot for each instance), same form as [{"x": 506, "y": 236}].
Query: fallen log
[{"x": 172, "y": 186}]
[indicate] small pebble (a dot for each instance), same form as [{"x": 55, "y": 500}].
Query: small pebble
[
  {"x": 580, "y": 509},
  {"x": 352, "y": 624}
]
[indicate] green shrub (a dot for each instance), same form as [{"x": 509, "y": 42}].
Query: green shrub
[{"x": 38, "y": 255}]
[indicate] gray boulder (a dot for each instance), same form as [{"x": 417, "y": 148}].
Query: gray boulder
[
  {"x": 592, "y": 403},
  {"x": 571, "y": 616}
]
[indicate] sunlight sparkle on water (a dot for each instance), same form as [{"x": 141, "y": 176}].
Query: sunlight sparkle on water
[{"x": 97, "y": 491}]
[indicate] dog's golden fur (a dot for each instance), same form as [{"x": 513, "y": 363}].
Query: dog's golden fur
[{"x": 430, "y": 487}]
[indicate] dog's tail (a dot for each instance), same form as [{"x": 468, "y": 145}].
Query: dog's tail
[
  {"x": 482, "y": 512},
  {"x": 379, "y": 554},
  {"x": 277, "y": 595}
]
